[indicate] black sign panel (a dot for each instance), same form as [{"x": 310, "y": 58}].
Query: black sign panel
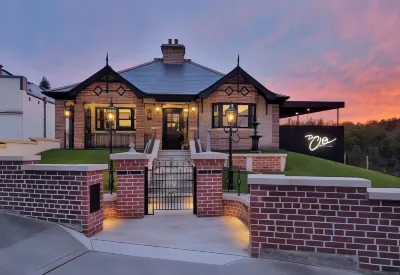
[
  {"x": 94, "y": 197},
  {"x": 319, "y": 141}
]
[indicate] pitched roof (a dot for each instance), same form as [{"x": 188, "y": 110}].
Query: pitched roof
[{"x": 159, "y": 78}]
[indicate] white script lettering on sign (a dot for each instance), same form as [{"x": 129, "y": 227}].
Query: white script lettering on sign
[{"x": 316, "y": 141}]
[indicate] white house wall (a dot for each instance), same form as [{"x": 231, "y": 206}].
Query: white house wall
[
  {"x": 50, "y": 120},
  {"x": 11, "y": 109}
]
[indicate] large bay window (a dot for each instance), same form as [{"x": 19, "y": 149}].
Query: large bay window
[
  {"x": 125, "y": 119},
  {"x": 246, "y": 114}
]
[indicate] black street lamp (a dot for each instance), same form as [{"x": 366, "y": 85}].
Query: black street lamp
[
  {"x": 111, "y": 112},
  {"x": 231, "y": 116}
]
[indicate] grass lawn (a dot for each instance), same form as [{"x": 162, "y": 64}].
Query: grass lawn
[
  {"x": 70, "y": 156},
  {"x": 296, "y": 165},
  {"x": 303, "y": 165}
]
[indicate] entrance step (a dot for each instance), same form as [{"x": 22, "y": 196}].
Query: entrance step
[{"x": 173, "y": 154}]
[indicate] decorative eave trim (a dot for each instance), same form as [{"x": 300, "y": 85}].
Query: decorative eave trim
[
  {"x": 267, "y": 94},
  {"x": 107, "y": 70}
]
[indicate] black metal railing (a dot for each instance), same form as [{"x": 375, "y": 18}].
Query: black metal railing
[{"x": 102, "y": 140}]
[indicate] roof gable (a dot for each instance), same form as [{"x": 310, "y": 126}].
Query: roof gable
[{"x": 236, "y": 73}]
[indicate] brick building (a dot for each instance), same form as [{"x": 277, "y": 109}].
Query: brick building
[{"x": 177, "y": 97}]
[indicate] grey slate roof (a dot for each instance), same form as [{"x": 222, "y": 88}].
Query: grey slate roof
[{"x": 159, "y": 78}]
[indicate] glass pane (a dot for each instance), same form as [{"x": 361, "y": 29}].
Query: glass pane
[
  {"x": 243, "y": 121},
  {"x": 225, "y": 121},
  {"x": 125, "y": 123},
  {"x": 243, "y": 110},
  {"x": 124, "y": 113},
  {"x": 99, "y": 124},
  {"x": 215, "y": 110},
  {"x": 216, "y": 122},
  {"x": 224, "y": 108}
]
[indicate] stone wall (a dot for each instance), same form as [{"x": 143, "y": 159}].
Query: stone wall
[
  {"x": 56, "y": 193},
  {"x": 337, "y": 222}
]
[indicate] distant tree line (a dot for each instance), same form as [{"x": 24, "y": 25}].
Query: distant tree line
[{"x": 379, "y": 140}]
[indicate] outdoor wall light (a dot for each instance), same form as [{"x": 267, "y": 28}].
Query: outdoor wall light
[
  {"x": 67, "y": 112},
  {"x": 158, "y": 110},
  {"x": 193, "y": 109},
  {"x": 149, "y": 115},
  {"x": 297, "y": 113},
  {"x": 308, "y": 109},
  {"x": 185, "y": 110}
]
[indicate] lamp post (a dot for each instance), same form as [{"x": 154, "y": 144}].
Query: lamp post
[
  {"x": 231, "y": 115},
  {"x": 111, "y": 112}
]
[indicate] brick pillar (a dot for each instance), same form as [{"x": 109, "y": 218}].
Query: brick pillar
[
  {"x": 209, "y": 183},
  {"x": 60, "y": 122},
  {"x": 275, "y": 125},
  {"x": 140, "y": 121},
  {"x": 79, "y": 124},
  {"x": 130, "y": 169}
]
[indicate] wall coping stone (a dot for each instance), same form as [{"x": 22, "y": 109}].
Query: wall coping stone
[
  {"x": 244, "y": 198},
  {"x": 209, "y": 155},
  {"x": 18, "y": 141},
  {"x": 20, "y": 158},
  {"x": 384, "y": 194},
  {"x": 65, "y": 167},
  {"x": 109, "y": 197},
  {"x": 129, "y": 155},
  {"x": 259, "y": 155},
  {"x": 307, "y": 181},
  {"x": 44, "y": 139}
]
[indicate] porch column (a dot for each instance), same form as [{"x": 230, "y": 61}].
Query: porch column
[
  {"x": 140, "y": 121},
  {"x": 60, "y": 122},
  {"x": 79, "y": 124},
  {"x": 192, "y": 125},
  {"x": 209, "y": 167},
  {"x": 130, "y": 169}
]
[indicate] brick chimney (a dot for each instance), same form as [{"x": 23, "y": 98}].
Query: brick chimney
[{"x": 173, "y": 53}]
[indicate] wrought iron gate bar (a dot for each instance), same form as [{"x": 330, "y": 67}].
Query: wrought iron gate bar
[{"x": 170, "y": 186}]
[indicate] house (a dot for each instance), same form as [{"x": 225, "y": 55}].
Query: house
[
  {"x": 175, "y": 97},
  {"x": 24, "y": 111}
]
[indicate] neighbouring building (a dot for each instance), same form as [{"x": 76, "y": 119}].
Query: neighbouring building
[
  {"x": 24, "y": 111},
  {"x": 178, "y": 98}
]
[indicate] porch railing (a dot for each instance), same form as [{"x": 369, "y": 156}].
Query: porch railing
[{"x": 102, "y": 140}]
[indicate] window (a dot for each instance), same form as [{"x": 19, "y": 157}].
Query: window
[
  {"x": 125, "y": 119},
  {"x": 246, "y": 114}
]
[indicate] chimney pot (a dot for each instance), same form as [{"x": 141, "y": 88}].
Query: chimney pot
[
  {"x": 176, "y": 41},
  {"x": 170, "y": 41}
]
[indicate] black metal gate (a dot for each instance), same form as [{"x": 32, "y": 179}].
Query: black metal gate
[{"x": 170, "y": 185}]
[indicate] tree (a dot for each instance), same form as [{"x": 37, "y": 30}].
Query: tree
[{"x": 45, "y": 84}]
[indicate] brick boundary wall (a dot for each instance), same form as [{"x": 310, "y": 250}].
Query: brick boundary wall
[
  {"x": 109, "y": 206},
  {"x": 235, "y": 206},
  {"x": 325, "y": 216},
  {"x": 260, "y": 162},
  {"x": 130, "y": 169},
  {"x": 52, "y": 192}
]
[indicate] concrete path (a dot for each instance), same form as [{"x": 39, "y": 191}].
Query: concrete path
[
  {"x": 176, "y": 235},
  {"x": 105, "y": 264},
  {"x": 29, "y": 246}
]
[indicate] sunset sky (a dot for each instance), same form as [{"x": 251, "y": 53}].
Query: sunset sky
[{"x": 342, "y": 50}]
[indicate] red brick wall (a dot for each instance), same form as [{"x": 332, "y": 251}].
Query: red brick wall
[
  {"x": 88, "y": 96},
  {"x": 209, "y": 187},
  {"x": 60, "y": 122},
  {"x": 335, "y": 220},
  {"x": 239, "y": 162},
  {"x": 237, "y": 209},
  {"x": 266, "y": 164},
  {"x": 56, "y": 196},
  {"x": 268, "y": 129},
  {"x": 110, "y": 209},
  {"x": 130, "y": 188}
]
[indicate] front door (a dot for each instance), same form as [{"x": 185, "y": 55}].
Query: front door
[{"x": 173, "y": 129}]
